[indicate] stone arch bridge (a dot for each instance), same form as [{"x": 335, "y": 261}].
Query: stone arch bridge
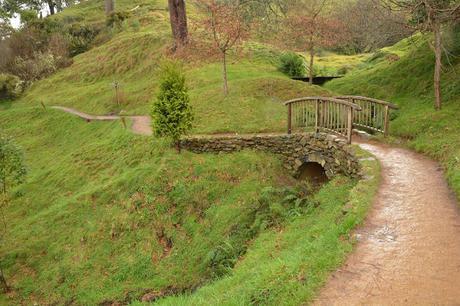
[
  {"x": 295, "y": 150},
  {"x": 319, "y": 130}
]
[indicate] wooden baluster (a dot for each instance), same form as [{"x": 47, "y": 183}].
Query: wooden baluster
[
  {"x": 387, "y": 121},
  {"x": 337, "y": 118},
  {"x": 289, "y": 127},
  {"x": 317, "y": 115},
  {"x": 382, "y": 119},
  {"x": 336, "y": 106},
  {"x": 326, "y": 113},
  {"x": 350, "y": 124},
  {"x": 369, "y": 117}
]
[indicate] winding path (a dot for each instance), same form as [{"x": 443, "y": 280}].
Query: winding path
[
  {"x": 141, "y": 124},
  {"x": 408, "y": 251}
]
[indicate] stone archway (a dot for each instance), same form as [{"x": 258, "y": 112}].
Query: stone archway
[
  {"x": 330, "y": 152},
  {"x": 312, "y": 172}
]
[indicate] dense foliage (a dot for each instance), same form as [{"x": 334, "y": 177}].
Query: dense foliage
[
  {"x": 292, "y": 64},
  {"x": 10, "y": 86},
  {"x": 12, "y": 167},
  {"x": 172, "y": 114}
]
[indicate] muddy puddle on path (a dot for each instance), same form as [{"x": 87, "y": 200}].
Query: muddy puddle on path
[{"x": 409, "y": 247}]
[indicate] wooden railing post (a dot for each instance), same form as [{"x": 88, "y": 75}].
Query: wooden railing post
[
  {"x": 289, "y": 127},
  {"x": 387, "y": 121},
  {"x": 318, "y": 114},
  {"x": 350, "y": 125}
]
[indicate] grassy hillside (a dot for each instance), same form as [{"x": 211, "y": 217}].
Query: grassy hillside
[
  {"x": 132, "y": 57},
  {"x": 104, "y": 212},
  {"x": 107, "y": 216},
  {"x": 404, "y": 74}
]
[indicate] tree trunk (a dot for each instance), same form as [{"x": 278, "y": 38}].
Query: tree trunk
[
  {"x": 312, "y": 59},
  {"x": 178, "y": 19},
  {"x": 224, "y": 72},
  {"x": 438, "y": 65},
  {"x": 59, "y": 5},
  {"x": 3, "y": 281},
  {"x": 109, "y": 6},
  {"x": 51, "y": 7}
]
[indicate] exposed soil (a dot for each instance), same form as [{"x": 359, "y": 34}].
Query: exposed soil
[
  {"x": 409, "y": 247},
  {"x": 141, "y": 124}
]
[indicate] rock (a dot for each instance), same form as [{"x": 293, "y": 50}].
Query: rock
[
  {"x": 151, "y": 296},
  {"x": 329, "y": 151}
]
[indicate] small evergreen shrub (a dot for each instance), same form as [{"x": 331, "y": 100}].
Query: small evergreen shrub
[
  {"x": 115, "y": 19},
  {"x": 172, "y": 114},
  {"x": 292, "y": 64},
  {"x": 82, "y": 37},
  {"x": 10, "y": 86}
]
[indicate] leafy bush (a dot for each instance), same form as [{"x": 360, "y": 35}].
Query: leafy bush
[
  {"x": 38, "y": 66},
  {"x": 135, "y": 25},
  {"x": 292, "y": 64},
  {"x": 115, "y": 19},
  {"x": 10, "y": 86},
  {"x": 272, "y": 209},
  {"x": 172, "y": 114},
  {"x": 81, "y": 38}
]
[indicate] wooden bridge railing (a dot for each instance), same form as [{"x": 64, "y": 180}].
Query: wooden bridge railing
[
  {"x": 321, "y": 113},
  {"x": 374, "y": 114}
]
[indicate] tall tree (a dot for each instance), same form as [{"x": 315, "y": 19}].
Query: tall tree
[
  {"x": 308, "y": 27},
  {"x": 109, "y": 6},
  {"x": 178, "y": 19},
  {"x": 225, "y": 24},
  {"x": 371, "y": 26},
  {"x": 431, "y": 16}
]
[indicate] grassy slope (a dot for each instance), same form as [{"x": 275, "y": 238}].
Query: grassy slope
[
  {"x": 408, "y": 82},
  {"x": 288, "y": 266},
  {"x": 133, "y": 56},
  {"x": 87, "y": 225},
  {"x": 84, "y": 225}
]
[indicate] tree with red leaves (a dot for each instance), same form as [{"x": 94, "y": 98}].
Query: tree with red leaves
[
  {"x": 431, "y": 16},
  {"x": 225, "y": 24},
  {"x": 307, "y": 27}
]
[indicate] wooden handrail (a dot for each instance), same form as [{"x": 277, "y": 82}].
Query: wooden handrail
[
  {"x": 373, "y": 110},
  {"x": 390, "y": 105},
  {"x": 339, "y": 115},
  {"x": 328, "y": 114},
  {"x": 328, "y": 99}
]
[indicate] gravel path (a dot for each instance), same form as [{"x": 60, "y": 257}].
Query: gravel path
[
  {"x": 408, "y": 251},
  {"x": 141, "y": 124}
]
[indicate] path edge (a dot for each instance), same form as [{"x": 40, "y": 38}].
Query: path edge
[{"x": 361, "y": 199}]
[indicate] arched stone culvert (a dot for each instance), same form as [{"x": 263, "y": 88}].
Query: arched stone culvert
[
  {"x": 331, "y": 152},
  {"x": 312, "y": 172}
]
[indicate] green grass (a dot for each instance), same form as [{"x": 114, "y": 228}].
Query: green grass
[
  {"x": 331, "y": 64},
  {"x": 92, "y": 221},
  {"x": 287, "y": 265},
  {"x": 84, "y": 227},
  {"x": 409, "y": 83},
  {"x": 109, "y": 216}
]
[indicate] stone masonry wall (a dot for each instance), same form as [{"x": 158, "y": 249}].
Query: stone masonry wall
[{"x": 329, "y": 151}]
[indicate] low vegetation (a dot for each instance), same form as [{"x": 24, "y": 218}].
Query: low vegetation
[
  {"x": 106, "y": 216},
  {"x": 404, "y": 74}
]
